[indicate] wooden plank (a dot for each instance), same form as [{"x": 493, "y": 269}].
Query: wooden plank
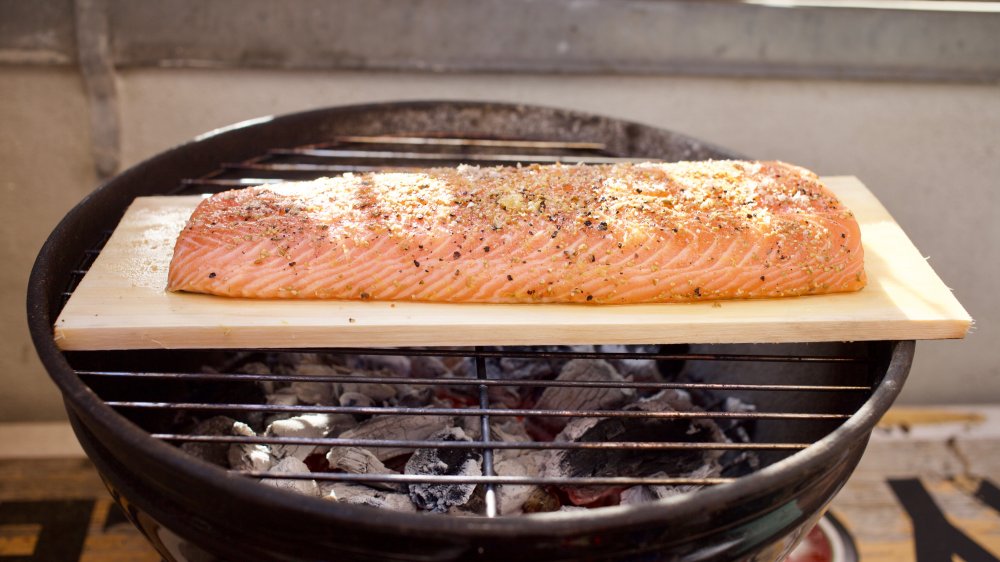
[{"x": 121, "y": 304}]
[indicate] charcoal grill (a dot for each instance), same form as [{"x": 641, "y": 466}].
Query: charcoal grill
[{"x": 816, "y": 403}]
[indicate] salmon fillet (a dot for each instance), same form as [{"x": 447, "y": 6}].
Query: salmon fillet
[{"x": 623, "y": 233}]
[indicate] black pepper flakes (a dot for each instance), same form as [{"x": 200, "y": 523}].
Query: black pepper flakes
[
  {"x": 291, "y": 264},
  {"x": 211, "y": 275},
  {"x": 365, "y": 295},
  {"x": 590, "y": 297},
  {"x": 416, "y": 263},
  {"x": 486, "y": 249},
  {"x": 697, "y": 291},
  {"x": 457, "y": 255},
  {"x": 761, "y": 277},
  {"x": 602, "y": 226},
  {"x": 587, "y": 223},
  {"x": 510, "y": 278}
]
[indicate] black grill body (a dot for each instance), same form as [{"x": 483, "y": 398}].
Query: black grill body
[{"x": 191, "y": 510}]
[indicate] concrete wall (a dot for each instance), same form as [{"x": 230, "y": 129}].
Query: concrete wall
[{"x": 931, "y": 152}]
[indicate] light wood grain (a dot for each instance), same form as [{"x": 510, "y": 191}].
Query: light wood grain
[{"x": 121, "y": 304}]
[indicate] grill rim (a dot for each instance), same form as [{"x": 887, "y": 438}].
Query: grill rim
[{"x": 45, "y": 289}]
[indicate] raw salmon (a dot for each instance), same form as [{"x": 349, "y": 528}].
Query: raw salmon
[{"x": 623, "y": 233}]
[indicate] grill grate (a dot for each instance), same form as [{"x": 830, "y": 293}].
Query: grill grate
[{"x": 805, "y": 401}]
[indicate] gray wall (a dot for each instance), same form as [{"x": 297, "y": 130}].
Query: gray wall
[{"x": 929, "y": 151}]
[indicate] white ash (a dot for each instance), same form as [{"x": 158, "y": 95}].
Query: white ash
[
  {"x": 355, "y": 460},
  {"x": 397, "y": 427},
  {"x": 511, "y": 497},
  {"x": 248, "y": 456},
  {"x": 357, "y": 494},
  {"x": 215, "y": 453},
  {"x": 292, "y": 465},
  {"x": 444, "y": 461},
  {"x": 515, "y": 462},
  {"x": 384, "y": 500},
  {"x": 309, "y": 426}
]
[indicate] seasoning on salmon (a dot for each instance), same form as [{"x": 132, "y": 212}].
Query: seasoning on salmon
[{"x": 623, "y": 233}]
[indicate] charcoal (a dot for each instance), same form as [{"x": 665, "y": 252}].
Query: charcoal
[
  {"x": 308, "y": 425},
  {"x": 515, "y": 368},
  {"x": 397, "y": 427},
  {"x": 355, "y": 460},
  {"x": 313, "y": 392},
  {"x": 360, "y": 494},
  {"x": 248, "y": 456},
  {"x": 292, "y": 465},
  {"x": 378, "y": 392},
  {"x": 444, "y": 461},
  {"x": 398, "y": 365},
  {"x": 585, "y": 463},
  {"x": 736, "y": 463},
  {"x": 414, "y": 396},
  {"x": 580, "y": 399},
  {"x": 356, "y": 399},
  {"x": 426, "y": 366},
  {"x": 641, "y": 370},
  {"x": 215, "y": 453}
]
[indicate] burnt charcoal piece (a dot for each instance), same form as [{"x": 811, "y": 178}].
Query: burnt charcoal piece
[
  {"x": 581, "y": 398},
  {"x": 397, "y": 427},
  {"x": 292, "y": 465},
  {"x": 355, "y": 460},
  {"x": 306, "y": 425},
  {"x": 584, "y": 463},
  {"x": 453, "y": 462},
  {"x": 215, "y": 453}
]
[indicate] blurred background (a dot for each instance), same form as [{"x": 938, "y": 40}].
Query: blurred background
[{"x": 903, "y": 94}]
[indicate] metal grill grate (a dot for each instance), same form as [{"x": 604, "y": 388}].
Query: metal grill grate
[{"x": 821, "y": 406}]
